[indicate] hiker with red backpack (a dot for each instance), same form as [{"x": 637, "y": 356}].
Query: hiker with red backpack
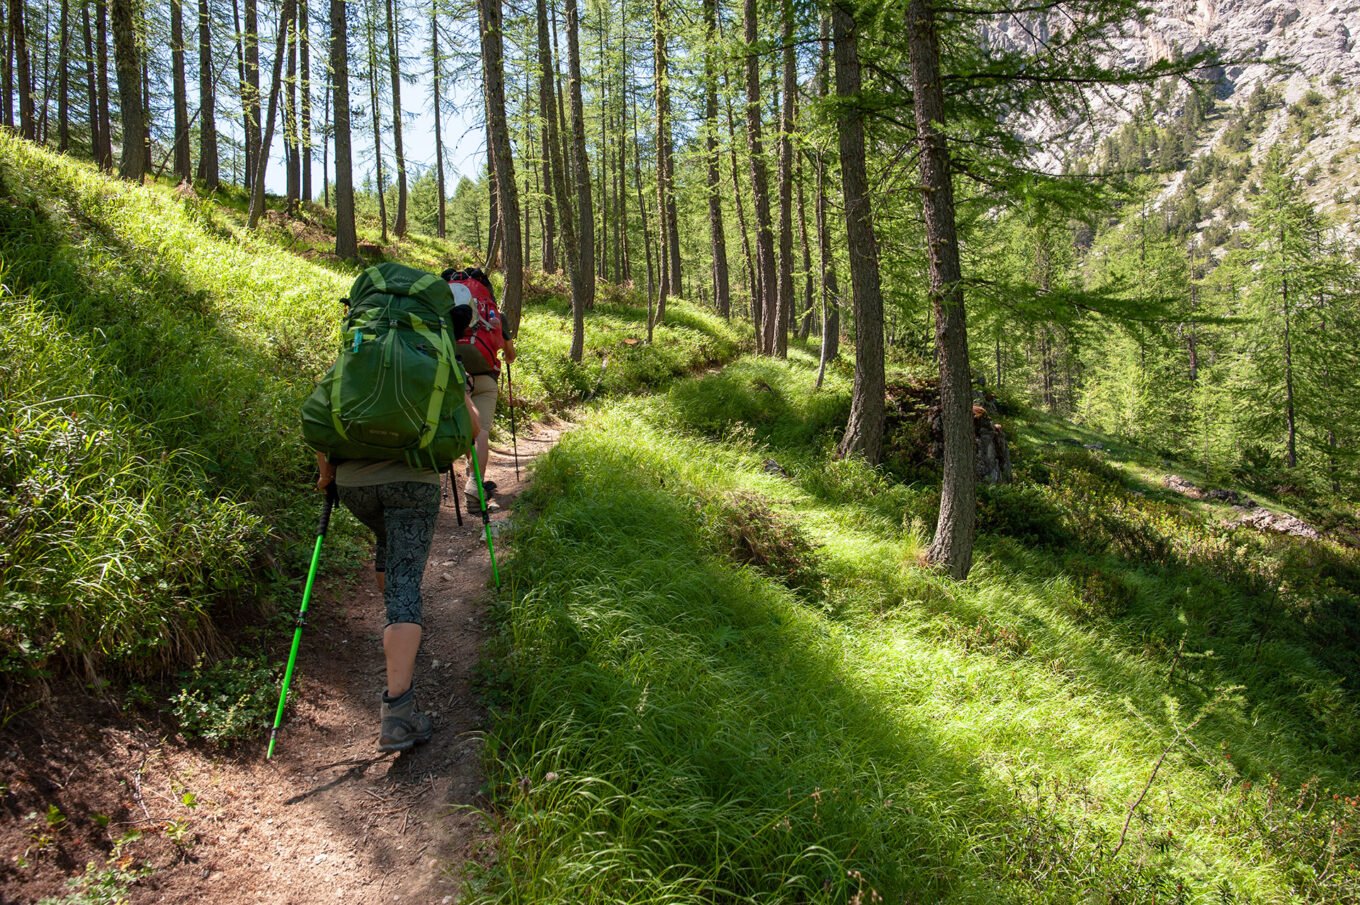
[{"x": 479, "y": 351}]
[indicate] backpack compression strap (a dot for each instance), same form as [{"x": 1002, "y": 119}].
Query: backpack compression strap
[{"x": 441, "y": 378}]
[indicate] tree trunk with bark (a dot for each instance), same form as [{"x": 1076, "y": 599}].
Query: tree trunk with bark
[
  {"x": 346, "y": 240},
  {"x": 393, "y": 22},
  {"x": 764, "y": 305},
  {"x": 304, "y": 33},
  {"x": 805, "y": 328},
  {"x": 952, "y": 546},
  {"x": 104, "y": 155},
  {"x": 18, "y": 39},
  {"x": 864, "y": 430},
  {"x": 785, "y": 302},
  {"x": 209, "y": 171},
  {"x": 722, "y": 290},
  {"x": 506, "y": 189},
  {"x": 250, "y": 89},
  {"x": 668, "y": 242},
  {"x": 642, "y": 207},
  {"x": 286, "y": 17},
  {"x": 6, "y": 71},
  {"x": 180, "y": 91},
  {"x": 91, "y": 83},
  {"x": 291, "y": 132},
  {"x": 129, "y": 68},
  {"x": 64, "y": 79},
  {"x": 441, "y": 213},
  {"x": 583, "y": 279}
]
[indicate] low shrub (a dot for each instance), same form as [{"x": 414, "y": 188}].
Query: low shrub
[{"x": 226, "y": 701}]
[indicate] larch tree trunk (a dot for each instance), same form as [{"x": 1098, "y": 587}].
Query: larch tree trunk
[
  {"x": 737, "y": 194},
  {"x": 18, "y": 37},
  {"x": 583, "y": 279},
  {"x": 147, "y": 163},
  {"x": 642, "y": 207},
  {"x": 6, "y": 71},
  {"x": 804, "y": 328},
  {"x": 764, "y": 305},
  {"x": 291, "y": 131},
  {"x": 864, "y": 430},
  {"x": 243, "y": 94},
  {"x": 91, "y": 82},
  {"x": 667, "y": 242},
  {"x": 507, "y": 192},
  {"x": 375, "y": 112},
  {"x": 789, "y": 87},
  {"x": 493, "y": 235},
  {"x": 1291, "y": 459},
  {"x": 304, "y": 30},
  {"x": 722, "y": 289},
  {"x": 133, "y": 165},
  {"x": 952, "y": 546},
  {"x": 831, "y": 312},
  {"x": 441, "y": 212},
  {"x": 325, "y": 140},
  {"x": 547, "y": 102},
  {"x": 180, "y": 89},
  {"x": 209, "y": 171},
  {"x": 393, "y": 25},
  {"x": 286, "y": 17},
  {"x": 250, "y": 89},
  {"x": 64, "y": 79},
  {"x": 104, "y": 155},
  {"x": 549, "y": 249},
  {"x": 346, "y": 240}
]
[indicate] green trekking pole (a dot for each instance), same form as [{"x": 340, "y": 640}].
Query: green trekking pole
[
  {"x": 331, "y": 496},
  {"x": 486, "y": 518}
]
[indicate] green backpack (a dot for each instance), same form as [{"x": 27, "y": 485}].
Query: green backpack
[{"x": 396, "y": 391}]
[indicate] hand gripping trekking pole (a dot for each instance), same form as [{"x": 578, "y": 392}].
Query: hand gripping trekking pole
[
  {"x": 331, "y": 496},
  {"x": 510, "y": 389},
  {"x": 486, "y": 517}
]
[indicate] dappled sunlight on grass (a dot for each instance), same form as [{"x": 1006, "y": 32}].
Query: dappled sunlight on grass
[{"x": 878, "y": 725}]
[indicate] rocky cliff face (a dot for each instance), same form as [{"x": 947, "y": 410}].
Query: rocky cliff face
[
  {"x": 1306, "y": 51},
  {"x": 1319, "y": 40}
]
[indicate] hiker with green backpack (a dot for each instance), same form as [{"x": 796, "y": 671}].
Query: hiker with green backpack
[{"x": 388, "y": 418}]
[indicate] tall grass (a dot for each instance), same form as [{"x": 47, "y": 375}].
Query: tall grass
[
  {"x": 617, "y": 359},
  {"x": 153, "y": 360},
  {"x": 685, "y": 715}
]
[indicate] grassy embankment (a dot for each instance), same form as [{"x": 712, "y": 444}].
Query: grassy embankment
[
  {"x": 717, "y": 682},
  {"x": 153, "y": 358}
]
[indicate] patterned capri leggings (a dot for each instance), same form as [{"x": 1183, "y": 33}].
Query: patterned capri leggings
[{"x": 401, "y": 516}]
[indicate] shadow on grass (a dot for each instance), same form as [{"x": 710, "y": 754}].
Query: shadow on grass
[{"x": 675, "y": 722}]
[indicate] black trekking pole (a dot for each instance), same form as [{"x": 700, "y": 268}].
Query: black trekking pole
[
  {"x": 453, "y": 483},
  {"x": 332, "y": 494},
  {"x": 486, "y": 517},
  {"x": 510, "y": 389}
]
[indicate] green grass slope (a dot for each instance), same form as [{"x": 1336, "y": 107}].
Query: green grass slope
[
  {"x": 722, "y": 680},
  {"x": 153, "y": 359}
]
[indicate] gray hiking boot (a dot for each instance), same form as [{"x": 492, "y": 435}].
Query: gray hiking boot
[{"x": 403, "y": 727}]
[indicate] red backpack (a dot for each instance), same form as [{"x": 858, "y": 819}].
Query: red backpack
[{"x": 485, "y": 338}]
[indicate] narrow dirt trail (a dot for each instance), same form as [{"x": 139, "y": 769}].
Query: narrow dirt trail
[{"x": 329, "y": 819}]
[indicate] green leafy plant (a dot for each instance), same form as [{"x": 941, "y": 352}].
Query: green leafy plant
[{"x": 224, "y": 702}]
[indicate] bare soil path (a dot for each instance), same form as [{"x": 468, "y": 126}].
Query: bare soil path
[{"x": 329, "y": 819}]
